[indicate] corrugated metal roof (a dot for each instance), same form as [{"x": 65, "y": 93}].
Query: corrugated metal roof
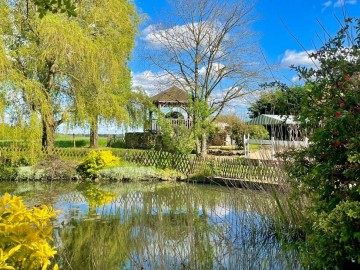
[{"x": 272, "y": 119}]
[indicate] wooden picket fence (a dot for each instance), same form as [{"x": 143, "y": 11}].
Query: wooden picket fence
[{"x": 231, "y": 168}]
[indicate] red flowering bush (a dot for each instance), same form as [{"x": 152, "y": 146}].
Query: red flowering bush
[{"x": 328, "y": 171}]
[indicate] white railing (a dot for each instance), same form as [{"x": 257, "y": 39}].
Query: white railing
[
  {"x": 276, "y": 145},
  {"x": 187, "y": 123}
]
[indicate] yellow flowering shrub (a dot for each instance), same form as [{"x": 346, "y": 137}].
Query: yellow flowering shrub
[
  {"x": 97, "y": 160},
  {"x": 24, "y": 235}
]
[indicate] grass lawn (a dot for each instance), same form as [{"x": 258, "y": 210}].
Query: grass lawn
[{"x": 67, "y": 140}]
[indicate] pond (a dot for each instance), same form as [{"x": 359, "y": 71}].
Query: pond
[{"x": 159, "y": 225}]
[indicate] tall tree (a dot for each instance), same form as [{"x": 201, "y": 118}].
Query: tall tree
[
  {"x": 110, "y": 96},
  {"x": 62, "y": 65},
  {"x": 207, "y": 49}
]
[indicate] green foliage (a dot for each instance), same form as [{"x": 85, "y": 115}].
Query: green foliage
[
  {"x": 59, "y": 66},
  {"x": 97, "y": 160},
  {"x": 55, "y": 6},
  {"x": 280, "y": 101},
  {"x": 176, "y": 139},
  {"x": 328, "y": 171},
  {"x": 131, "y": 172},
  {"x": 338, "y": 231},
  {"x": 255, "y": 132},
  {"x": 205, "y": 171},
  {"x": 258, "y": 132},
  {"x": 28, "y": 173},
  {"x": 116, "y": 142},
  {"x": 25, "y": 235},
  {"x": 224, "y": 124}
]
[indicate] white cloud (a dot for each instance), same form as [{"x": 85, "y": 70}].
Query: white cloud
[
  {"x": 327, "y": 4},
  {"x": 216, "y": 67},
  {"x": 340, "y": 3},
  {"x": 295, "y": 79},
  {"x": 151, "y": 82},
  {"x": 337, "y": 4},
  {"x": 295, "y": 58}
]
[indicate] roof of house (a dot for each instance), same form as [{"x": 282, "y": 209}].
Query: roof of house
[
  {"x": 172, "y": 95},
  {"x": 271, "y": 119}
]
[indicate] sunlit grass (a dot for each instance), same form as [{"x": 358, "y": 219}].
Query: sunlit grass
[{"x": 67, "y": 141}]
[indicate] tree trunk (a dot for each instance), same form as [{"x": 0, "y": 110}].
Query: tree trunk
[
  {"x": 198, "y": 147},
  {"x": 94, "y": 133},
  {"x": 204, "y": 145},
  {"x": 48, "y": 133}
]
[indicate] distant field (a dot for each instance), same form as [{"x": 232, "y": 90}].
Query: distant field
[{"x": 66, "y": 141}]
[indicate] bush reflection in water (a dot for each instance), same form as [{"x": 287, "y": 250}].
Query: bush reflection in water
[{"x": 161, "y": 226}]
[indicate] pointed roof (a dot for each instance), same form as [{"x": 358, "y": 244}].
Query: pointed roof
[{"x": 170, "y": 96}]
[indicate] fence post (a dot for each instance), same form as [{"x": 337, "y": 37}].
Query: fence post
[
  {"x": 306, "y": 141},
  {"x": 244, "y": 140},
  {"x": 245, "y": 146},
  {"x": 273, "y": 148}
]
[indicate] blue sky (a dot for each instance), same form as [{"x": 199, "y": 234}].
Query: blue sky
[{"x": 276, "y": 22}]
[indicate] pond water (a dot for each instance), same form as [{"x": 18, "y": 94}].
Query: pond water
[{"x": 159, "y": 226}]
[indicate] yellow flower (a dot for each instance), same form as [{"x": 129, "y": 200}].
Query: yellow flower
[{"x": 24, "y": 234}]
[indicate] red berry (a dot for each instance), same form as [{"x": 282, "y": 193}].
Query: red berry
[
  {"x": 338, "y": 114},
  {"x": 342, "y": 105},
  {"x": 347, "y": 77},
  {"x": 337, "y": 144}
]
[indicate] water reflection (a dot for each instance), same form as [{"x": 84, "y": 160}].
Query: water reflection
[{"x": 160, "y": 226}]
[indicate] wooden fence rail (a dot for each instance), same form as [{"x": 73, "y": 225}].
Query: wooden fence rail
[{"x": 232, "y": 168}]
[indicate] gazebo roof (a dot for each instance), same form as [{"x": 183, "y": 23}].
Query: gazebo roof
[
  {"x": 272, "y": 119},
  {"x": 173, "y": 95}
]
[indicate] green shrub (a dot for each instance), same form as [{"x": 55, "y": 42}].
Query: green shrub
[
  {"x": 335, "y": 240},
  {"x": 256, "y": 132},
  {"x": 327, "y": 172},
  {"x": 116, "y": 143},
  {"x": 97, "y": 160},
  {"x": 174, "y": 139}
]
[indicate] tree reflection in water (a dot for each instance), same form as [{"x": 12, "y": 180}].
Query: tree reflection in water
[{"x": 168, "y": 226}]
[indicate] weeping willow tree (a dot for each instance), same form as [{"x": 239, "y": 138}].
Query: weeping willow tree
[{"x": 59, "y": 66}]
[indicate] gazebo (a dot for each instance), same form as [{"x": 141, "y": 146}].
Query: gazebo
[{"x": 173, "y": 102}]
